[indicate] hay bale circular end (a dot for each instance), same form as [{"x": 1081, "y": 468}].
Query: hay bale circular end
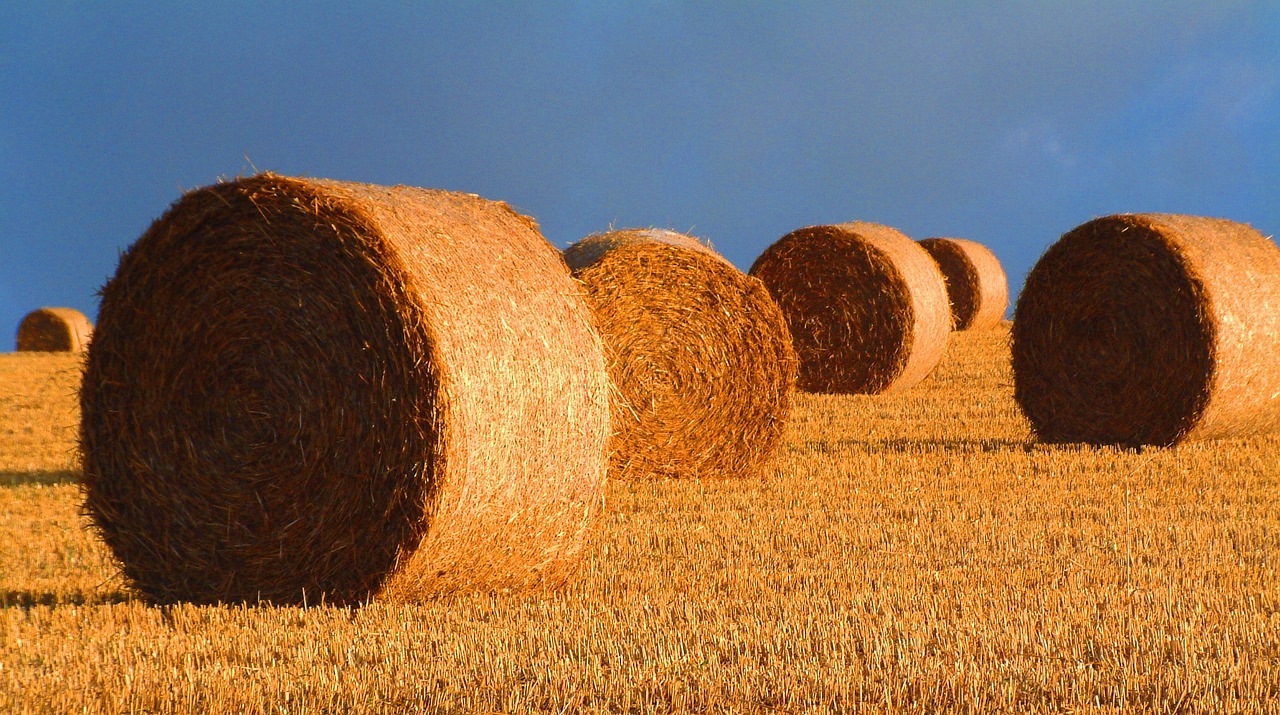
[
  {"x": 354, "y": 392},
  {"x": 866, "y": 306},
  {"x": 54, "y": 330},
  {"x": 976, "y": 285},
  {"x": 698, "y": 353},
  {"x": 1150, "y": 329}
]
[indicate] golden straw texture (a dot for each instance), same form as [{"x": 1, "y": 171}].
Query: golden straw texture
[
  {"x": 54, "y": 330},
  {"x": 976, "y": 284},
  {"x": 594, "y": 247},
  {"x": 305, "y": 389},
  {"x": 866, "y": 305},
  {"x": 1151, "y": 329},
  {"x": 698, "y": 353}
]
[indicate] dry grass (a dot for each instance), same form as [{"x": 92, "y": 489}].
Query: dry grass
[{"x": 915, "y": 553}]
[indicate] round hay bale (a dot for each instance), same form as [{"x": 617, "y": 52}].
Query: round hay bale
[
  {"x": 54, "y": 330},
  {"x": 698, "y": 353},
  {"x": 866, "y": 305},
  {"x": 306, "y": 389},
  {"x": 976, "y": 285},
  {"x": 1150, "y": 329}
]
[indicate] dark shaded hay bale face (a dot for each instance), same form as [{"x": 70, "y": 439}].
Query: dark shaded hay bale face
[
  {"x": 1150, "y": 329},
  {"x": 976, "y": 284},
  {"x": 698, "y": 353},
  {"x": 866, "y": 305},
  {"x": 305, "y": 388},
  {"x": 54, "y": 330}
]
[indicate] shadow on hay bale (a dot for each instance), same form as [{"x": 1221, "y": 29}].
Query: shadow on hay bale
[
  {"x": 1150, "y": 329},
  {"x": 54, "y": 330},
  {"x": 698, "y": 352},
  {"x": 976, "y": 285},
  {"x": 866, "y": 305},
  {"x": 305, "y": 389}
]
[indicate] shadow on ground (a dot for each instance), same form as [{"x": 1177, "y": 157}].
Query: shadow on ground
[
  {"x": 14, "y": 479},
  {"x": 916, "y": 445},
  {"x": 961, "y": 445},
  {"x": 31, "y": 599}
]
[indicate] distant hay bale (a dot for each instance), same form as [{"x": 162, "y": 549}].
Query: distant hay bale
[
  {"x": 305, "y": 389},
  {"x": 866, "y": 305},
  {"x": 1150, "y": 329},
  {"x": 54, "y": 330},
  {"x": 698, "y": 352},
  {"x": 976, "y": 284}
]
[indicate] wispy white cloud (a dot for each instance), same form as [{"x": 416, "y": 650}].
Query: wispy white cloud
[{"x": 1040, "y": 139}]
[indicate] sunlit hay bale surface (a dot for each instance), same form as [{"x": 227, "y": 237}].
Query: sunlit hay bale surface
[
  {"x": 305, "y": 389},
  {"x": 54, "y": 330},
  {"x": 1151, "y": 329},
  {"x": 866, "y": 306},
  {"x": 913, "y": 553},
  {"x": 698, "y": 352},
  {"x": 976, "y": 284}
]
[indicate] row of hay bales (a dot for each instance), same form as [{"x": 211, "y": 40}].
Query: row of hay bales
[
  {"x": 316, "y": 387},
  {"x": 309, "y": 388},
  {"x": 1133, "y": 329},
  {"x": 870, "y": 310}
]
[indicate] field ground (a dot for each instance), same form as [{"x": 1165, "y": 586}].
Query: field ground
[{"x": 912, "y": 553}]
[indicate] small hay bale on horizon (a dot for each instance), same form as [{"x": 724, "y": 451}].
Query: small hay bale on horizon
[
  {"x": 54, "y": 330},
  {"x": 976, "y": 284},
  {"x": 1150, "y": 329},
  {"x": 353, "y": 392},
  {"x": 698, "y": 353},
  {"x": 866, "y": 306}
]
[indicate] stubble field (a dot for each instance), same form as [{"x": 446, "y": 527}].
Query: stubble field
[{"x": 911, "y": 553}]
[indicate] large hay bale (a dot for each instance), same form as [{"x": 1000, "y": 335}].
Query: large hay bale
[
  {"x": 698, "y": 353},
  {"x": 1150, "y": 329},
  {"x": 54, "y": 330},
  {"x": 976, "y": 285},
  {"x": 308, "y": 388},
  {"x": 866, "y": 305}
]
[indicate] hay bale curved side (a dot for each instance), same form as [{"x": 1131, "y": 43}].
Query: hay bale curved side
[
  {"x": 1150, "y": 329},
  {"x": 698, "y": 353},
  {"x": 594, "y": 247},
  {"x": 54, "y": 330},
  {"x": 976, "y": 284},
  {"x": 867, "y": 307},
  {"x": 355, "y": 392}
]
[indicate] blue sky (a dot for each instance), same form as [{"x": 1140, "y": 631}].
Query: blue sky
[{"x": 1005, "y": 122}]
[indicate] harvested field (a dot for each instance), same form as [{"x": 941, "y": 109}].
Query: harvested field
[{"x": 914, "y": 552}]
